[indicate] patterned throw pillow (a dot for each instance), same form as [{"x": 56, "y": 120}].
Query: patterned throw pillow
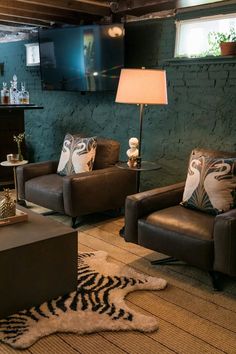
[
  {"x": 210, "y": 185},
  {"x": 77, "y": 155}
]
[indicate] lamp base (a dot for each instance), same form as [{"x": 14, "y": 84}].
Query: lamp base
[{"x": 139, "y": 162}]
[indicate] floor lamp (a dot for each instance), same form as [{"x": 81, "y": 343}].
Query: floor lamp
[{"x": 142, "y": 87}]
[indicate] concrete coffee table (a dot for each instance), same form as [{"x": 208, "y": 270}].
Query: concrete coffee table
[{"x": 38, "y": 262}]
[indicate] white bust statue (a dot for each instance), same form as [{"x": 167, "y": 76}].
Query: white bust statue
[{"x": 133, "y": 152}]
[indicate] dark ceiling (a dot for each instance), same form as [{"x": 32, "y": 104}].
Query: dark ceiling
[{"x": 48, "y": 13}]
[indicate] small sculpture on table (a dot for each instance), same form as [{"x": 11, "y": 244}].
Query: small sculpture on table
[{"x": 133, "y": 152}]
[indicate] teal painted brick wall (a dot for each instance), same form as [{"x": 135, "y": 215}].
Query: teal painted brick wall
[{"x": 200, "y": 112}]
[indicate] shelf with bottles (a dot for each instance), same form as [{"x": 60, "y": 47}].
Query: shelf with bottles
[
  {"x": 22, "y": 107},
  {"x": 13, "y": 96}
]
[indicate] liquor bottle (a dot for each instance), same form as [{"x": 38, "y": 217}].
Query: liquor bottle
[
  {"x": 23, "y": 95},
  {"x": 14, "y": 93},
  {"x": 5, "y": 99}
]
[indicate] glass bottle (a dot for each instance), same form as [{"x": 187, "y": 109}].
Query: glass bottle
[
  {"x": 5, "y": 99},
  {"x": 23, "y": 95},
  {"x": 14, "y": 93}
]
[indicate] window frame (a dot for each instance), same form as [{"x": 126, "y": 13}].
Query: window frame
[
  {"x": 178, "y": 24},
  {"x": 28, "y": 47}
]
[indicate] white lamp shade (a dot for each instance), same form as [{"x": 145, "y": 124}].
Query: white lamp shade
[{"x": 142, "y": 86}]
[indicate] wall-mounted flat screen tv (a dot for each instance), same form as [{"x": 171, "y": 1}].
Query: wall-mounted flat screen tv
[{"x": 84, "y": 58}]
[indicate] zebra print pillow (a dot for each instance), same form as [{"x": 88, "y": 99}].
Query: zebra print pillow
[
  {"x": 210, "y": 185},
  {"x": 77, "y": 155}
]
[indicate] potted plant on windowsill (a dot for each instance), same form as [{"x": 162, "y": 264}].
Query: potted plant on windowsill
[{"x": 222, "y": 43}]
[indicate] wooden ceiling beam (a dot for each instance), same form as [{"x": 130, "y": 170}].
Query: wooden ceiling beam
[
  {"x": 76, "y": 12},
  {"x": 141, "y": 7},
  {"x": 103, "y": 3},
  {"x": 73, "y": 5},
  {"x": 41, "y": 17},
  {"x": 39, "y": 9},
  {"x": 10, "y": 20}
]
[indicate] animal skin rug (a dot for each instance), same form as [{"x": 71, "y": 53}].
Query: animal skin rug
[{"x": 97, "y": 305}]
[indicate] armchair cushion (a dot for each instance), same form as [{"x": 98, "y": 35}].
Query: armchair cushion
[
  {"x": 210, "y": 185},
  {"x": 46, "y": 191},
  {"x": 32, "y": 170},
  {"x": 182, "y": 233},
  {"x": 176, "y": 218},
  {"x": 77, "y": 155},
  {"x": 107, "y": 153}
]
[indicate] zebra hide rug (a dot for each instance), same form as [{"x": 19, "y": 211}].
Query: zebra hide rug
[{"x": 97, "y": 305}]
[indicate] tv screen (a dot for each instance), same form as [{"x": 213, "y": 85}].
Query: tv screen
[{"x": 85, "y": 58}]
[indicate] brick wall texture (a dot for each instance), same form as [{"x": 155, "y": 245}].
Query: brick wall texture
[{"x": 201, "y": 110}]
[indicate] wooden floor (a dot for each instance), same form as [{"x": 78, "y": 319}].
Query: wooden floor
[{"x": 193, "y": 319}]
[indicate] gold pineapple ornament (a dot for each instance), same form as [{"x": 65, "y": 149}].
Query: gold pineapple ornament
[{"x": 7, "y": 205}]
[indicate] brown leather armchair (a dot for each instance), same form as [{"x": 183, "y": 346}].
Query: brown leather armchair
[
  {"x": 154, "y": 219},
  {"x": 104, "y": 188}
]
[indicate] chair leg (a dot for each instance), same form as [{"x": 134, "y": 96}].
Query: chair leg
[
  {"x": 73, "y": 222},
  {"x": 216, "y": 278},
  {"x": 122, "y": 231},
  {"x": 22, "y": 202},
  {"x": 164, "y": 261},
  {"x": 76, "y": 221}
]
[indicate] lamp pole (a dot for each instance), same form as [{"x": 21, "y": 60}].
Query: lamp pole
[{"x": 141, "y": 110}]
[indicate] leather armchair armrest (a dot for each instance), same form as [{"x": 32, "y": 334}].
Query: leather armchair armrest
[
  {"x": 32, "y": 170},
  {"x": 144, "y": 203},
  {"x": 97, "y": 190},
  {"x": 225, "y": 243}
]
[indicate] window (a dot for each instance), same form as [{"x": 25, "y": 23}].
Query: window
[
  {"x": 192, "y": 36},
  {"x": 32, "y": 54}
]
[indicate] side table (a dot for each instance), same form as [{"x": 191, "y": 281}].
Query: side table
[
  {"x": 14, "y": 165},
  {"x": 145, "y": 166}
]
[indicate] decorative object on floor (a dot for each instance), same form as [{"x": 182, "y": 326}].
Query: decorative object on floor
[
  {"x": 142, "y": 87},
  {"x": 7, "y": 205},
  {"x": 18, "y": 139},
  {"x": 97, "y": 305},
  {"x": 210, "y": 185},
  {"x": 77, "y": 155},
  {"x": 132, "y": 152}
]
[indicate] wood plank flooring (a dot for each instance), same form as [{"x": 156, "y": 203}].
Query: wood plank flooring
[{"x": 193, "y": 319}]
